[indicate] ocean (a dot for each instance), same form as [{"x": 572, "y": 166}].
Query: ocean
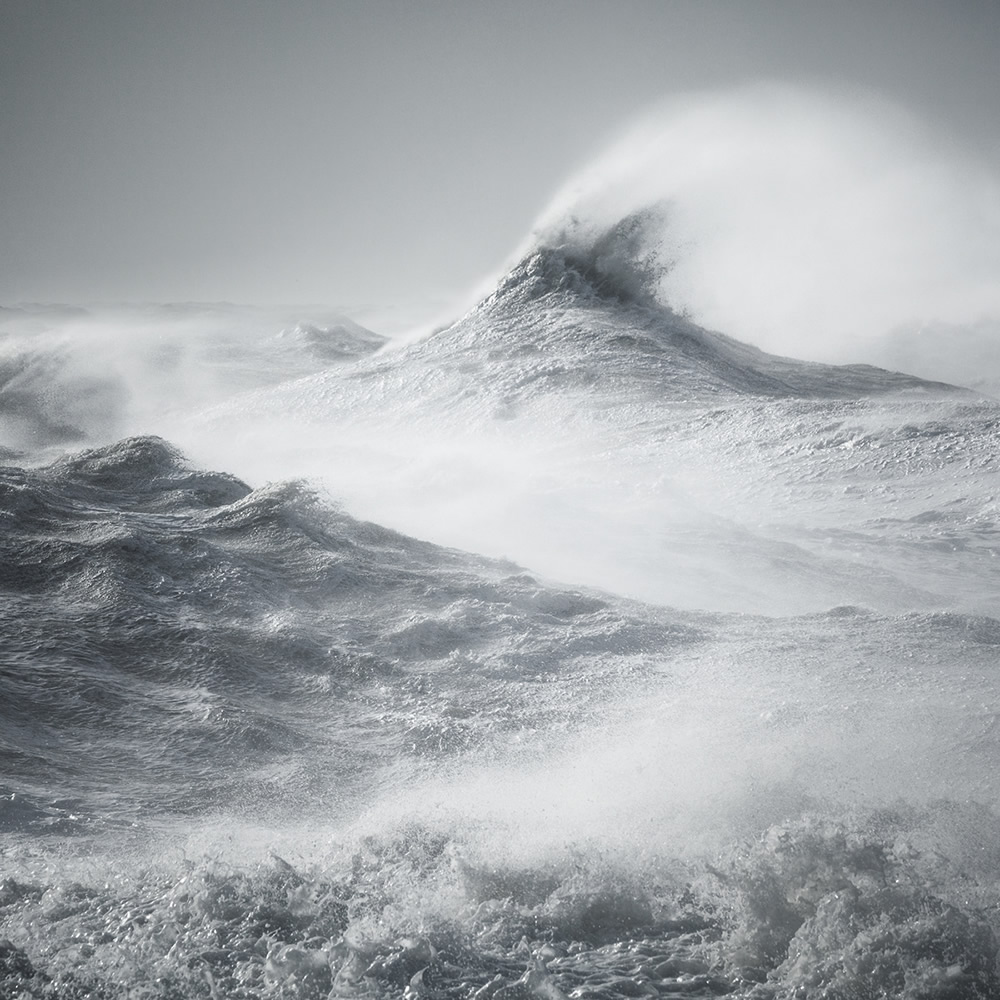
[{"x": 569, "y": 650}]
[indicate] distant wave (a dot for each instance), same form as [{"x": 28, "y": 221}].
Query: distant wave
[{"x": 71, "y": 377}]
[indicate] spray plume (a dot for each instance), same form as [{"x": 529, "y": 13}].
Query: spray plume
[{"x": 809, "y": 223}]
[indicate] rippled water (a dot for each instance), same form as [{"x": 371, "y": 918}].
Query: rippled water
[{"x": 712, "y": 712}]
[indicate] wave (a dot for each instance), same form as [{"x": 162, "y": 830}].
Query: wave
[
  {"x": 188, "y": 625},
  {"x": 578, "y": 320},
  {"x": 673, "y": 354},
  {"x": 173, "y": 623},
  {"x": 704, "y": 473},
  {"x": 71, "y": 377}
]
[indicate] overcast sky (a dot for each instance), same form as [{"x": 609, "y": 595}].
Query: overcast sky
[{"x": 388, "y": 152}]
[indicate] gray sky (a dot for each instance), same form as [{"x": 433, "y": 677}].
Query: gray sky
[{"x": 387, "y": 152}]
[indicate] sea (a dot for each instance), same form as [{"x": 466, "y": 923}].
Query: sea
[{"x": 567, "y": 650}]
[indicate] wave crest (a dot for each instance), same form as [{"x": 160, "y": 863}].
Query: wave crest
[{"x": 625, "y": 261}]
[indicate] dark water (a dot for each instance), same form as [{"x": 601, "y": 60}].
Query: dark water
[{"x": 713, "y": 713}]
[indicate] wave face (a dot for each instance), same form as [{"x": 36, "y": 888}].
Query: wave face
[
  {"x": 193, "y": 634},
  {"x": 669, "y": 667}
]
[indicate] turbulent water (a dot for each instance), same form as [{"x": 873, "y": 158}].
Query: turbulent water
[{"x": 571, "y": 650}]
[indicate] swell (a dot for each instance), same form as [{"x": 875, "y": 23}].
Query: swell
[{"x": 176, "y": 632}]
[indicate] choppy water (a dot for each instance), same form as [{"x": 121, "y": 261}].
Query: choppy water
[{"x": 713, "y": 711}]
